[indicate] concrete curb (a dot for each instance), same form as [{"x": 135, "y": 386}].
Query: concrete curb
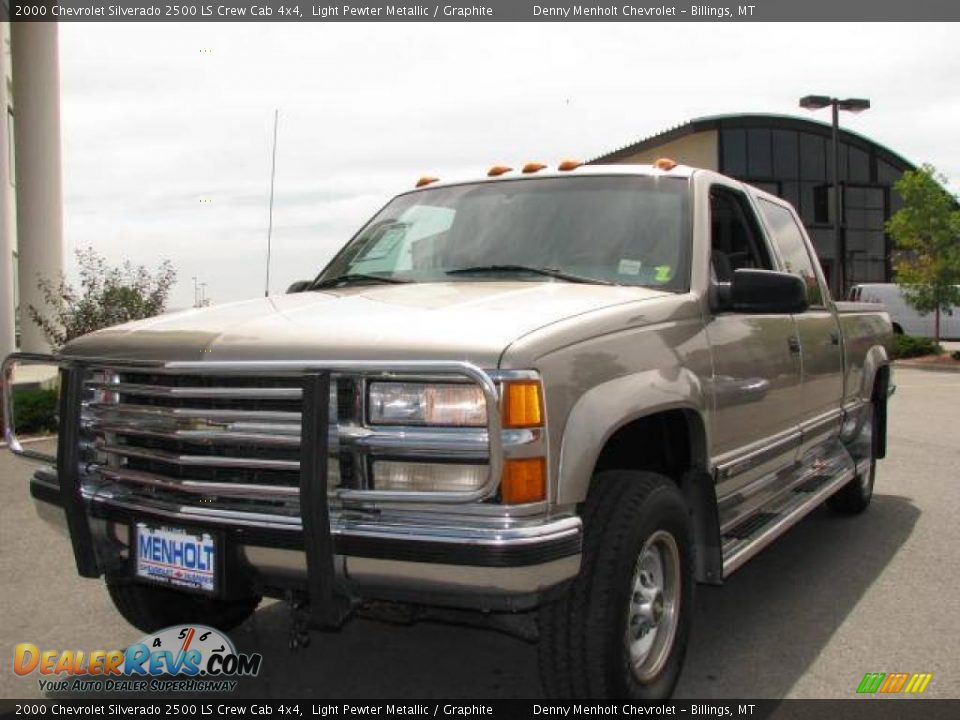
[
  {"x": 927, "y": 366},
  {"x": 27, "y": 441}
]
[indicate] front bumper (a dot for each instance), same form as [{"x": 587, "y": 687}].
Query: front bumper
[{"x": 481, "y": 566}]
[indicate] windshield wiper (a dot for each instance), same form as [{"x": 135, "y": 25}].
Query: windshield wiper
[
  {"x": 351, "y": 278},
  {"x": 549, "y": 272}
]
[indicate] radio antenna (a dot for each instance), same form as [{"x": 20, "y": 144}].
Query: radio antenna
[{"x": 273, "y": 173}]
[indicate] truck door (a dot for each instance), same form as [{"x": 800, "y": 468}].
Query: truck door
[
  {"x": 818, "y": 328},
  {"x": 756, "y": 368}
]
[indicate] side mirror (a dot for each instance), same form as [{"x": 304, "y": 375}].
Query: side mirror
[
  {"x": 299, "y": 286},
  {"x": 761, "y": 292}
]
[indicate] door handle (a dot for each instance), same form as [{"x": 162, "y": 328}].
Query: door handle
[
  {"x": 793, "y": 342},
  {"x": 834, "y": 338}
]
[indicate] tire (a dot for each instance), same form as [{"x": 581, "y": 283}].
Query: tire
[
  {"x": 636, "y": 575},
  {"x": 150, "y": 608},
  {"x": 854, "y": 497}
]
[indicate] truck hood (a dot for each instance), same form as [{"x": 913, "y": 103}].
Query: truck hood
[{"x": 472, "y": 321}]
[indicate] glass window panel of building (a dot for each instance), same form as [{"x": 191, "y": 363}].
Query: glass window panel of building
[
  {"x": 759, "y": 153},
  {"x": 813, "y": 157},
  {"x": 858, "y": 166},
  {"x": 786, "y": 154},
  {"x": 734, "y": 143}
]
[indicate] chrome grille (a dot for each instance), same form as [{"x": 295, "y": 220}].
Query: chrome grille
[{"x": 193, "y": 438}]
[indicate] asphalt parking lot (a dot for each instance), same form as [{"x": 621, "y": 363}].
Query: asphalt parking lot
[{"x": 833, "y": 599}]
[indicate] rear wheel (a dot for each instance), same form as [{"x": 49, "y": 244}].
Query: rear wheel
[
  {"x": 621, "y": 630},
  {"x": 150, "y": 608},
  {"x": 854, "y": 497}
]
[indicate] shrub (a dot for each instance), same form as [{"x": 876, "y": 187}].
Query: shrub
[
  {"x": 907, "y": 346},
  {"x": 35, "y": 411},
  {"x": 955, "y": 354},
  {"x": 108, "y": 295}
]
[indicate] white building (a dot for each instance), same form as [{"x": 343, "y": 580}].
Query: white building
[{"x": 31, "y": 219}]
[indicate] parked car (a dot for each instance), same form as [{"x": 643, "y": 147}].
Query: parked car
[
  {"x": 567, "y": 395},
  {"x": 906, "y": 320}
]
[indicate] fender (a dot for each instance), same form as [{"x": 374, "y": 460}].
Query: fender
[
  {"x": 858, "y": 404},
  {"x": 607, "y": 407},
  {"x": 876, "y": 358}
]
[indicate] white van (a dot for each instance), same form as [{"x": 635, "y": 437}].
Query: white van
[{"x": 906, "y": 320}]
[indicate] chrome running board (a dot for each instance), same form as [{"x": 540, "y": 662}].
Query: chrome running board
[{"x": 823, "y": 473}]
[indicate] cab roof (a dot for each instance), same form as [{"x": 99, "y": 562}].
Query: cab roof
[{"x": 680, "y": 171}]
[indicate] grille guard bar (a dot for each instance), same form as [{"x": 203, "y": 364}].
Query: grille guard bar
[
  {"x": 459, "y": 369},
  {"x": 6, "y": 390},
  {"x": 329, "y": 604}
]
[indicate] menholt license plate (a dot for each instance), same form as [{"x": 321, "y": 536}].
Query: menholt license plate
[{"x": 173, "y": 556}]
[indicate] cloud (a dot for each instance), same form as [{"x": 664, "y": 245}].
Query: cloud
[{"x": 167, "y": 128}]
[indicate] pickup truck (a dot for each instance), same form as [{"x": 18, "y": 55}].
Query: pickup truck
[{"x": 569, "y": 395}]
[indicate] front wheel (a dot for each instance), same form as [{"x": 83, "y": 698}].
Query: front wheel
[
  {"x": 150, "y": 608},
  {"x": 621, "y": 630}
]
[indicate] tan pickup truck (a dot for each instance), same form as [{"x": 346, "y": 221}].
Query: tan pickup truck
[{"x": 567, "y": 395}]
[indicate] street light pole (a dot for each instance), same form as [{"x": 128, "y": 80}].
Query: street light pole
[{"x": 816, "y": 102}]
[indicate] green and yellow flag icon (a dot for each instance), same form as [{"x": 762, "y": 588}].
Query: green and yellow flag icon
[{"x": 892, "y": 683}]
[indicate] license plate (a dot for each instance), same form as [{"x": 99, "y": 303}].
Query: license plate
[{"x": 177, "y": 557}]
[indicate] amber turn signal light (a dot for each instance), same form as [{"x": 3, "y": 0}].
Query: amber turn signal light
[
  {"x": 533, "y": 167},
  {"x": 524, "y": 480},
  {"x": 522, "y": 405},
  {"x": 665, "y": 164},
  {"x": 426, "y": 180}
]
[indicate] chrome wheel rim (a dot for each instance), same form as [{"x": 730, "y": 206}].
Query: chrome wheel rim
[{"x": 654, "y": 606}]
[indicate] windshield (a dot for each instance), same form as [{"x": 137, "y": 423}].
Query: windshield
[{"x": 612, "y": 229}]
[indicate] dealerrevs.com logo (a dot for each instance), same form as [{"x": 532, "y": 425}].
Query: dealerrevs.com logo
[{"x": 182, "y": 658}]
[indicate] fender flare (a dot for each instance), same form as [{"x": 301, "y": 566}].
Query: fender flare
[
  {"x": 876, "y": 358},
  {"x": 607, "y": 407}
]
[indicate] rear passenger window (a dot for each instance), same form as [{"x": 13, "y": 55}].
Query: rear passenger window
[
  {"x": 789, "y": 241},
  {"x": 735, "y": 238}
]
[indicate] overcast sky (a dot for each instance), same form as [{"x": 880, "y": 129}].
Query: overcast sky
[{"x": 167, "y": 128}]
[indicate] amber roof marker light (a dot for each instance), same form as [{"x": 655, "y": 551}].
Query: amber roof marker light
[
  {"x": 533, "y": 167},
  {"x": 426, "y": 180},
  {"x": 665, "y": 164},
  {"x": 568, "y": 165},
  {"x": 498, "y": 170}
]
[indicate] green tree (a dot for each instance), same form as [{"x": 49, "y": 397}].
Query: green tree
[
  {"x": 926, "y": 233},
  {"x": 108, "y": 295}
]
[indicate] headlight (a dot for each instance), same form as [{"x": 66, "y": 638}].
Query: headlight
[{"x": 396, "y": 403}]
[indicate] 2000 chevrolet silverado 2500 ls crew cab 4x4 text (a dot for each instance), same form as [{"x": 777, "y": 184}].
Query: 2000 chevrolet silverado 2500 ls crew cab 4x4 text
[{"x": 575, "y": 392}]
